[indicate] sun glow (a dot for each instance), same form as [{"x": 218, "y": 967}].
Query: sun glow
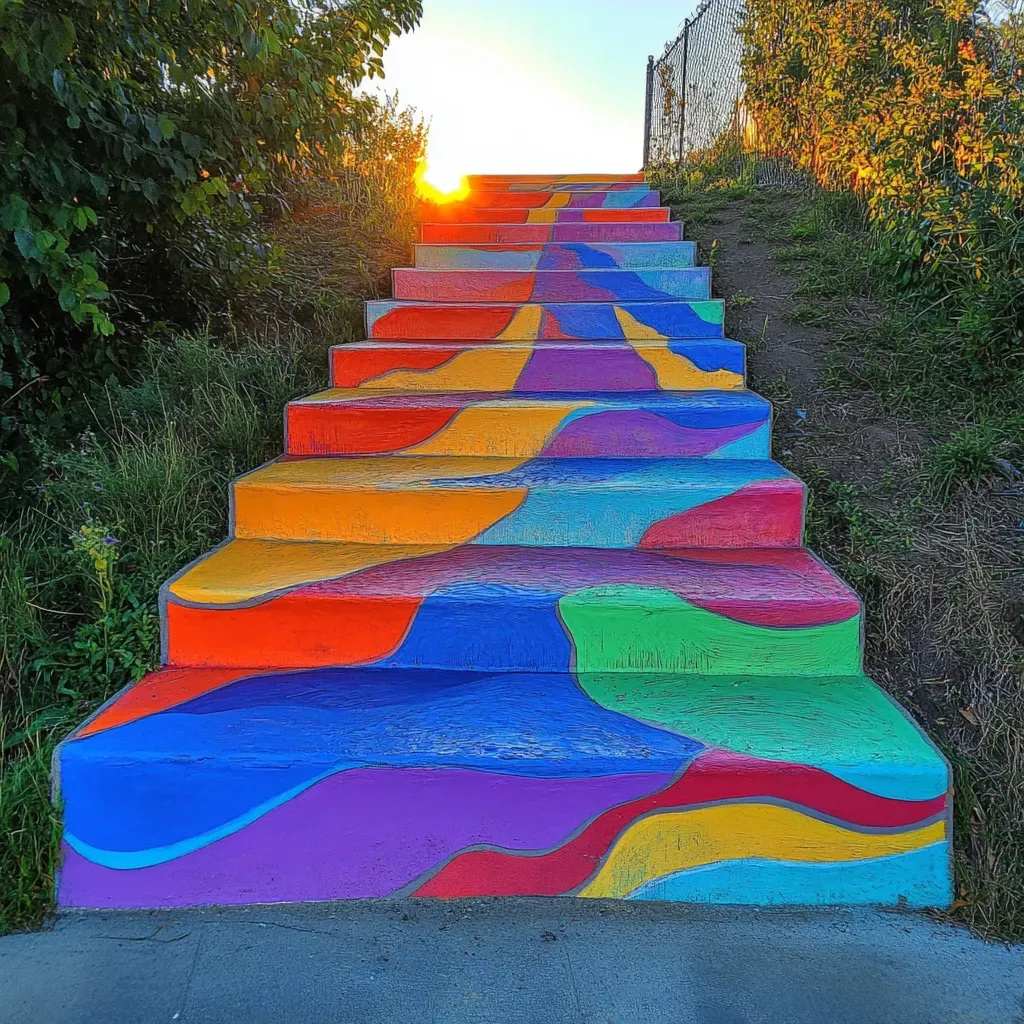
[{"x": 440, "y": 184}]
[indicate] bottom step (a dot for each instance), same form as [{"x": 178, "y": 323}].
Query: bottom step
[{"x": 199, "y": 787}]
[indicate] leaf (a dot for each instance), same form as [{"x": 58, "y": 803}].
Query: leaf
[
  {"x": 73, "y": 120},
  {"x": 970, "y": 716},
  {"x": 191, "y": 144},
  {"x": 5, "y": 293},
  {"x": 99, "y": 186},
  {"x": 14, "y": 214},
  {"x": 25, "y": 240},
  {"x": 150, "y": 191},
  {"x": 67, "y": 298},
  {"x": 167, "y": 127}
]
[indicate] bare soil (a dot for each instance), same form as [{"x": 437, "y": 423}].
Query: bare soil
[{"x": 943, "y": 581}]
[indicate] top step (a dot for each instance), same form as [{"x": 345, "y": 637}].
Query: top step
[{"x": 552, "y": 182}]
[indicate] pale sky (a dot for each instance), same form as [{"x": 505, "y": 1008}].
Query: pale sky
[{"x": 541, "y": 86}]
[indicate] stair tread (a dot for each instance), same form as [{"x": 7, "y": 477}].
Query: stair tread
[
  {"x": 555, "y": 255},
  {"x": 550, "y": 286},
  {"x": 739, "y": 401},
  {"x": 251, "y": 570},
  {"x": 433, "y": 472}
]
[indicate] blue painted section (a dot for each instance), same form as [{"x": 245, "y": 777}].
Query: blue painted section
[
  {"x": 712, "y": 355},
  {"x": 757, "y": 445},
  {"x": 457, "y": 626},
  {"x": 193, "y": 771},
  {"x": 920, "y": 878}
]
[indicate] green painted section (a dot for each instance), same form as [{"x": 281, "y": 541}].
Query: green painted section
[
  {"x": 845, "y": 725},
  {"x": 711, "y": 312},
  {"x": 630, "y": 628}
]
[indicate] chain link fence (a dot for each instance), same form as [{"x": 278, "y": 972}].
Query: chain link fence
[{"x": 695, "y": 113}]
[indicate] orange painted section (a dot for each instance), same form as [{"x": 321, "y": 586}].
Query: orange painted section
[{"x": 296, "y": 630}]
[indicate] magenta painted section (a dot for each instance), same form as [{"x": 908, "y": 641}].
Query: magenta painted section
[{"x": 362, "y": 833}]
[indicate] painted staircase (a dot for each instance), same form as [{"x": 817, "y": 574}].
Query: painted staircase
[{"x": 522, "y": 609}]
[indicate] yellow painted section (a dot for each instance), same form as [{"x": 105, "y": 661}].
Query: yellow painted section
[
  {"x": 558, "y": 200},
  {"x": 245, "y": 570},
  {"x": 433, "y": 516},
  {"x": 525, "y": 325},
  {"x": 665, "y": 843},
  {"x": 633, "y": 330},
  {"x": 499, "y": 430},
  {"x": 373, "y": 473},
  {"x": 677, "y": 373},
  {"x": 542, "y": 216},
  {"x": 476, "y": 370}
]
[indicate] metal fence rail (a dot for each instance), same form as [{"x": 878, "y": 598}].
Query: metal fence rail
[{"x": 695, "y": 113}]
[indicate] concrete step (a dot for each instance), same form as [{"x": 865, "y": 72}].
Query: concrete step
[
  {"x": 198, "y": 788},
  {"x": 446, "y": 234},
  {"x": 564, "y": 366},
  {"x": 552, "y": 321},
  {"x": 283, "y": 604},
  {"x": 596, "y": 503},
  {"x": 621, "y": 198},
  {"x": 551, "y": 285},
  {"x": 456, "y": 213},
  {"x": 564, "y": 256},
  {"x": 680, "y": 424},
  {"x": 553, "y": 182}
]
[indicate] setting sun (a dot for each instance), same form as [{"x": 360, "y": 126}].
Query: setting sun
[{"x": 440, "y": 184}]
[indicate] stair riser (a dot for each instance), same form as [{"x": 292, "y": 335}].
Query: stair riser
[
  {"x": 579, "y": 430},
  {"x": 446, "y": 234},
  {"x": 498, "y": 627},
  {"x": 463, "y": 286},
  {"x": 568, "y": 256},
  {"x": 617, "y": 199},
  {"x": 544, "y": 367},
  {"x": 457, "y": 214},
  {"x": 637, "y": 321},
  {"x": 759, "y": 515}
]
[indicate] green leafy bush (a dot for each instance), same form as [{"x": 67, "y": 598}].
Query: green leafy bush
[{"x": 140, "y": 142}]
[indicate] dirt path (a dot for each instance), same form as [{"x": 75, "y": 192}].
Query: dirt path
[{"x": 942, "y": 580}]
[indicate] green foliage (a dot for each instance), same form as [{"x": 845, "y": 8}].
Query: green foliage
[{"x": 141, "y": 144}]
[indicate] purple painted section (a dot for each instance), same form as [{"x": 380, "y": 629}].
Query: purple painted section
[
  {"x": 639, "y": 434},
  {"x": 610, "y": 369},
  {"x": 360, "y": 834}
]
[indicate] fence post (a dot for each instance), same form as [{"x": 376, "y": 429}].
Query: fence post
[
  {"x": 682, "y": 91},
  {"x": 648, "y": 106}
]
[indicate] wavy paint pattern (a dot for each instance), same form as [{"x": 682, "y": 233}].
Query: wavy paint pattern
[
  {"x": 523, "y": 610},
  {"x": 467, "y": 823},
  {"x": 551, "y": 285},
  {"x": 565, "y": 256},
  {"x": 447, "y": 234},
  {"x": 642, "y": 321},
  {"x": 540, "y": 366},
  {"x": 611, "y": 503},
  {"x": 623, "y": 197}
]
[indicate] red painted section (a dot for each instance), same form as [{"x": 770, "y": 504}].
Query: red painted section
[
  {"x": 714, "y": 776},
  {"x": 295, "y": 630},
  {"x": 360, "y": 428},
  {"x": 768, "y": 513},
  {"x": 352, "y": 367},
  {"x": 410, "y": 322}
]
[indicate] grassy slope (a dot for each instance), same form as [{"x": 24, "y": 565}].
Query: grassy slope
[{"x": 914, "y": 496}]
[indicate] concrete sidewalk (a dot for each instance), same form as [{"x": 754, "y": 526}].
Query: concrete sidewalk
[{"x": 508, "y": 962}]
